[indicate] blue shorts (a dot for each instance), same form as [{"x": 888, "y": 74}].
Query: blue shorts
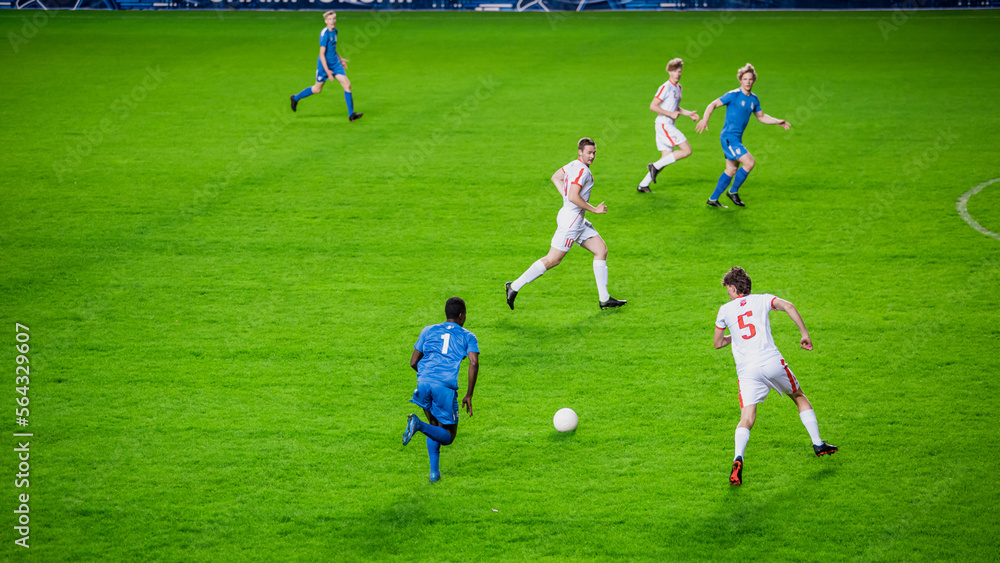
[
  {"x": 440, "y": 401},
  {"x": 336, "y": 68},
  {"x": 733, "y": 148}
]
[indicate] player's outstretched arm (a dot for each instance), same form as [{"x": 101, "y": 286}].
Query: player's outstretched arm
[
  {"x": 768, "y": 120},
  {"x": 415, "y": 359},
  {"x": 782, "y": 305},
  {"x": 473, "y": 375},
  {"x": 702, "y": 125},
  {"x": 558, "y": 177},
  {"x": 721, "y": 338}
]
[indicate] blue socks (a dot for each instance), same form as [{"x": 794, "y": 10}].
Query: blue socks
[
  {"x": 436, "y": 433},
  {"x": 741, "y": 175},
  {"x": 350, "y": 103},
  {"x": 434, "y": 452},
  {"x": 722, "y": 185},
  {"x": 304, "y": 94}
]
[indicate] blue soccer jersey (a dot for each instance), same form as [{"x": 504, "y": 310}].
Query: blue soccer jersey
[
  {"x": 739, "y": 107},
  {"x": 328, "y": 39},
  {"x": 444, "y": 347}
]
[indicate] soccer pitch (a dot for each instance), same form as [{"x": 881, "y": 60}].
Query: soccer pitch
[{"x": 222, "y": 296}]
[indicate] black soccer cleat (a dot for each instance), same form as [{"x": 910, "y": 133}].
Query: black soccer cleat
[
  {"x": 643, "y": 189},
  {"x": 736, "y": 477},
  {"x": 612, "y": 302},
  {"x": 736, "y": 199},
  {"x": 355, "y": 116},
  {"x": 653, "y": 171},
  {"x": 715, "y": 203},
  {"x": 825, "y": 449},
  {"x": 295, "y": 103},
  {"x": 511, "y": 295}
]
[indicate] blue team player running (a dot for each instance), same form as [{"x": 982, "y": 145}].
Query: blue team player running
[
  {"x": 437, "y": 355},
  {"x": 330, "y": 66},
  {"x": 740, "y": 103}
]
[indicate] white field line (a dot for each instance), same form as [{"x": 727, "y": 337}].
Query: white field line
[{"x": 963, "y": 210}]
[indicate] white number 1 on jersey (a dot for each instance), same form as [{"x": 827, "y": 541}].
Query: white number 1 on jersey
[{"x": 446, "y": 338}]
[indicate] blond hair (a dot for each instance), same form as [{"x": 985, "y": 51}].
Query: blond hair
[
  {"x": 675, "y": 64},
  {"x": 748, "y": 68},
  {"x": 327, "y": 13}
]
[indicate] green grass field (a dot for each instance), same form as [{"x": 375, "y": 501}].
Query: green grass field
[{"x": 223, "y": 296}]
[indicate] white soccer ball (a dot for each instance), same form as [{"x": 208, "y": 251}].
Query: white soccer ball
[{"x": 565, "y": 420}]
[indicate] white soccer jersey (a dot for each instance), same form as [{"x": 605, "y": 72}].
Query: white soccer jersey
[
  {"x": 669, "y": 95},
  {"x": 576, "y": 173},
  {"x": 748, "y": 323}
]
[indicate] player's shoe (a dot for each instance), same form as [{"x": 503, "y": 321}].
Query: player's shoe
[
  {"x": 715, "y": 203},
  {"x": 825, "y": 449},
  {"x": 736, "y": 199},
  {"x": 355, "y": 116},
  {"x": 612, "y": 302},
  {"x": 411, "y": 428},
  {"x": 736, "y": 477},
  {"x": 653, "y": 171},
  {"x": 643, "y": 189},
  {"x": 435, "y": 477},
  {"x": 511, "y": 295},
  {"x": 295, "y": 103}
]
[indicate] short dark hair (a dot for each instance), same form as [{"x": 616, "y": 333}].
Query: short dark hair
[
  {"x": 454, "y": 307},
  {"x": 739, "y": 278},
  {"x": 584, "y": 142}
]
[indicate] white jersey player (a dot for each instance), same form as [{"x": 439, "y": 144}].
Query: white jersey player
[
  {"x": 666, "y": 105},
  {"x": 760, "y": 367},
  {"x": 574, "y": 183}
]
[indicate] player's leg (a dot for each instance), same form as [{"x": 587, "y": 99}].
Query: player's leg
[
  {"x": 348, "y": 96},
  {"x": 596, "y": 245},
  {"x": 727, "y": 176},
  {"x": 808, "y": 417},
  {"x": 752, "y": 392},
  {"x": 747, "y": 163},
  {"x": 314, "y": 89}
]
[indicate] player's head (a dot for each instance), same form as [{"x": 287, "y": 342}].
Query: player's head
[
  {"x": 737, "y": 279},
  {"x": 675, "y": 67},
  {"x": 330, "y": 18},
  {"x": 454, "y": 310},
  {"x": 746, "y": 72},
  {"x": 587, "y": 150}
]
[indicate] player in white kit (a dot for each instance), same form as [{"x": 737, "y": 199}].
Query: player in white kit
[
  {"x": 666, "y": 105},
  {"x": 759, "y": 365},
  {"x": 574, "y": 183}
]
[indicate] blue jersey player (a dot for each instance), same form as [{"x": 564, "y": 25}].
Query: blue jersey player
[
  {"x": 437, "y": 355},
  {"x": 740, "y": 103},
  {"x": 330, "y": 66}
]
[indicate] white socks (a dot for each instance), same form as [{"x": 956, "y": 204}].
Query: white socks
[
  {"x": 533, "y": 272},
  {"x": 601, "y": 276},
  {"x": 809, "y": 421},
  {"x": 645, "y": 181},
  {"x": 742, "y": 437},
  {"x": 669, "y": 159}
]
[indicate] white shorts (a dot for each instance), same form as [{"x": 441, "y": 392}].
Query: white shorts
[
  {"x": 757, "y": 381},
  {"x": 570, "y": 228},
  {"x": 668, "y": 136}
]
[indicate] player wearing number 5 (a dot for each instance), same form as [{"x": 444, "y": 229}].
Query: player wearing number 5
[
  {"x": 759, "y": 365},
  {"x": 437, "y": 355}
]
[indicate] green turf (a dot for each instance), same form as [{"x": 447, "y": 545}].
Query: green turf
[{"x": 223, "y": 295}]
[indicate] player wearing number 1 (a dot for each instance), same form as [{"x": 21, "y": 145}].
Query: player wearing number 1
[
  {"x": 760, "y": 367},
  {"x": 437, "y": 355}
]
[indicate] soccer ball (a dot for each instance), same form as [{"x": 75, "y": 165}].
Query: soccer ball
[{"x": 565, "y": 420}]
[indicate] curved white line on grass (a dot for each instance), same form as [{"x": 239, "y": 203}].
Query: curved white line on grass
[{"x": 964, "y": 211}]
